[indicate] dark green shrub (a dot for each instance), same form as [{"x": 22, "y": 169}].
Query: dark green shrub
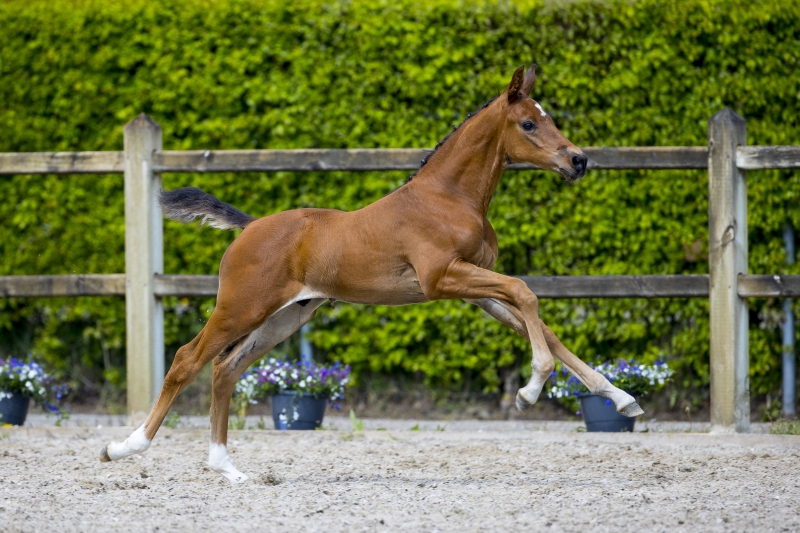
[{"x": 264, "y": 74}]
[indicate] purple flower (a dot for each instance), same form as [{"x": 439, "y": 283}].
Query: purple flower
[{"x": 277, "y": 375}]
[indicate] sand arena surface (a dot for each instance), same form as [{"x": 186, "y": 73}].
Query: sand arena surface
[{"x": 402, "y": 481}]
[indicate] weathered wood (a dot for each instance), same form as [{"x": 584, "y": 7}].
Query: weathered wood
[
  {"x": 647, "y": 157},
  {"x": 143, "y": 259},
  {"x": 402, "y": 159},
  {"x": 690, "y": 286},
  {"x": 769, "y": 286},
  {"x": 67, "y": 285},
  {"x": 186, "y": 285},
  {"x": 629, "y": 157},
  {"x": 727, "y": 258},
  {"x": 289, "y": 160},
  {"x": 760, "y": 157},
  {"x": 61, "y": 162},
  {"x": 677, "y": 286}
]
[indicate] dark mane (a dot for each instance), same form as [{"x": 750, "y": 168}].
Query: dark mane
[{"x": 440, "y": 143}]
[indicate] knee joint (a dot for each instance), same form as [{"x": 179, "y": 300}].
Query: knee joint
[
  {"x": 525, "y": 296},
  {"x": 543, "y": 368},
  {"x": 177, "y": 379}
]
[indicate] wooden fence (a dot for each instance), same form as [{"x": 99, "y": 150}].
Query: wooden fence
[{"x": 728, "y": 284}]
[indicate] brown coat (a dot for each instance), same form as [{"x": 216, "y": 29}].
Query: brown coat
[{"x": 428, "y": 240}]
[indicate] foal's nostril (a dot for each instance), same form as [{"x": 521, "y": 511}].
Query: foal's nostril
[{"x": 579, "y": 162}]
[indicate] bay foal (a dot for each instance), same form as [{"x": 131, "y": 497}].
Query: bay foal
[{"x": 428, "y": 240}]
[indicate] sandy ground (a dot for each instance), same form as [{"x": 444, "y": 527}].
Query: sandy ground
[
  {"x": 401, "y": 480},
  {"x": 341, "y": 422}
]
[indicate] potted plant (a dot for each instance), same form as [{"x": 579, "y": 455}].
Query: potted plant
[
  {"x": 299, "y": 391},
  {"x": 599, "y": 413},
  {"x": 22, "y": 381}
]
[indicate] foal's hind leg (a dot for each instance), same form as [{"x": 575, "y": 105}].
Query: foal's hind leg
[
  {"x": 229, "y": 366},
  {"x": 189, "y": 360},
  {"x": 243, "y": 303},
  {"x": 594, "y": 381},
  {"x": 221, "y": 330}
]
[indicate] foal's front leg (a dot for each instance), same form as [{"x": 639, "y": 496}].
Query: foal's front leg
[
  {"x": 470, "y": 282},
  {"x": 593, "y": 380}
]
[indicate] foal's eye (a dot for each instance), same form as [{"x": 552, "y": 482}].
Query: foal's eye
[{"x": 528, "y": 125}]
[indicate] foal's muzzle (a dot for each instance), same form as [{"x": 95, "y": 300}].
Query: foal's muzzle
[{"x": 579, "y": 163}]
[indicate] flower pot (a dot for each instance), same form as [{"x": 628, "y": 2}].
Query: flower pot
[
  {"x": 309, "y": 410},
  {"x": 13, "y": 408},
  {"x": 600, "y": 414}
]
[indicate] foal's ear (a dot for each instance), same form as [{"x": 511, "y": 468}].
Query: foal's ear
[
  {"x": 530, "y": 80},
  {"x": 513, "y": 91}
]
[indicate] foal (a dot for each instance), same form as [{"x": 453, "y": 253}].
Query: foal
[{"x": 428, "y": 240}]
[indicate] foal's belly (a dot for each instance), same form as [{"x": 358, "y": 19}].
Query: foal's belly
[
  {"x": 354, "y": 257},
  {"x": 397, "y": 287}
]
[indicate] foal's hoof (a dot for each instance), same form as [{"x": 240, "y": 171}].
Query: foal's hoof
[
  {"x": 521, "y": 402},
  {"x": 238, "y": 478},
  {"x": 104, "y": 458},
  {"x": 234, "y": 476},
  {"x": 631, "y": 410}
]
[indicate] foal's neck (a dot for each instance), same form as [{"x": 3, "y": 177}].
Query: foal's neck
[{"x": 471, "y": 161}]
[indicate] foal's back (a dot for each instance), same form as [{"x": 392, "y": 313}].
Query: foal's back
[{"x": 350, "y": 256}]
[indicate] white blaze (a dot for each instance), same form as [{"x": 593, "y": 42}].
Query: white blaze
[{"x": 540, "y": 109}]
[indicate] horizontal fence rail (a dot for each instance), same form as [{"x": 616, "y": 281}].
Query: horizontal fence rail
[
  {"x": 403, "y": 159},
  {"x": 62, "y": 163},
  {"x": 691, "y": 286},
  {"x": 551, "y": 287},
  {"x": 66, "y": 285},
  {"x": 658, "y": 157},
  {"x": 762, "y": 157}
]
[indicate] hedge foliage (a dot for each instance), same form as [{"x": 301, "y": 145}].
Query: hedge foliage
[{"x": 226, "y": 74}]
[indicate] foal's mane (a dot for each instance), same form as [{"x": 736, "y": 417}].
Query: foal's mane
[{"x": 441, "y": 142}]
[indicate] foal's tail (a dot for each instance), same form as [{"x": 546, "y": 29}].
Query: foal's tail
[{"x": 190, "y": 203}]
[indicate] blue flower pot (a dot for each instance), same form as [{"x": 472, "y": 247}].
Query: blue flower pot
[
  {"x": 600, "y": 414},
  {"x": 14, "y": 410},
  {"x": 310, "y": 410}
]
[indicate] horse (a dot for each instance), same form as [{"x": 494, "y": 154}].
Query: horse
[{"x": 427, "y": 240}]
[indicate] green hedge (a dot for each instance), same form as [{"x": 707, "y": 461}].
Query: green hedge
[{"x": 228, "y": 74}]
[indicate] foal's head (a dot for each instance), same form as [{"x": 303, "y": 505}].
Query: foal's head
[{"x": 530, "y": 135}]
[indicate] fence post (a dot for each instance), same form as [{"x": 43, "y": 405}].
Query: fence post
[
  {"x": 144, "y": 257},
  {"x": 789, "y": 367},
  {"x": 727, "y": 258}
]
